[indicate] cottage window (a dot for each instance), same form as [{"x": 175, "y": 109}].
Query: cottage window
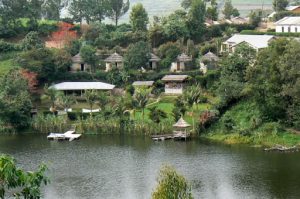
[
  {"x": 82, "y": 67},
  {"x": 282, "y": 29},
  {"x": 289, "y": 29},
  {"x": 296, "y": 29}
]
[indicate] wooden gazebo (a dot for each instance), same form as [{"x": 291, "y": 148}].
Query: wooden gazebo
[
  {"x": 181, "y": 130},
  {"x": 114, "y": 60}
]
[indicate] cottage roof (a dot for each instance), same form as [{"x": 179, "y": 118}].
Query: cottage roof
[
  {"x": 77, "y": 59},
  {"x": 114, "y": 58},
  {"x": 65, "y": 86},
  {"x": 257, "y": 41},
  {"x": 154, "y": 58},
  {"x": 184, "y": 58},
  {"x": 210, "y": 57},
  {"x": 291, "y": 8},
  {"x": 143, "y": 83},
  {"x": 174, "y": 78},
  {"x": 181, "y": 124},
  {"x": 288, "y": 21}
]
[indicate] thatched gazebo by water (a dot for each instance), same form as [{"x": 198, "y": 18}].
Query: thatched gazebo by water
[
  {"x": 181, "y": 130},
  {"x": 114, "y": 60}
]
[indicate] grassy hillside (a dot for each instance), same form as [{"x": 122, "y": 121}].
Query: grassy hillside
[
  {"x": 7, "y": 62},
  {"x": 242, "y": 124}
]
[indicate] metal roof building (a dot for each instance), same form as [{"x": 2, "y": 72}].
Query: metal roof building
[{"x": 73, "y": 86}]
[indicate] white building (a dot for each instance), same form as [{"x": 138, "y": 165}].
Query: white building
[
  {"x": 174, "y": 84},
  {"x": 257, "y": 42},
  {"x": 288, "y": 24}
]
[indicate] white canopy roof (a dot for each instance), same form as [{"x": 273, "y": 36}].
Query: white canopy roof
[
  {"x": 257, "y": 41},
  {"x": 289, "y": 21},
  {"x": 65, "y": 86}
]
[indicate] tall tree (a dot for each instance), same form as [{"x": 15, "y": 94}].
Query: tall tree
[
  {"x": 15, "y": 102},
  {"x": 17, "y": 183},
  {"x": 51, "y": 9},
  {"x": 139, "y": 18},
  {"x": 137, "y": 56},
  {"x": 117, "y": 8},
  {"x": 88, "y": 54},
  {"x": 280, "y": 5},
  {"x": 91, "y": 97},
  {"x": 140, "y": 99},
  {"x": 212, "y": 11},
  {"x": 98, "y": 9},
  {"x": 196, "y": 19},
  {"x": 229, "y": 10},
  {"x": 77, "y": 10}
]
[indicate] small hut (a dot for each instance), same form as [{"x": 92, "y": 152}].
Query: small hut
[
  {"x": 180, "y": 63},
  {"x": 153, "y": 61},
  {"x": 181, "y": 130},
  {"x": 78, "y": 64},
  {"x": 209, "y": 61},
  {"x": 174, "y": 84},
  {"x": 115, "y": 60}
]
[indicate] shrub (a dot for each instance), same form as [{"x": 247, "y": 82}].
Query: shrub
[{"x": 8, "y": 47}]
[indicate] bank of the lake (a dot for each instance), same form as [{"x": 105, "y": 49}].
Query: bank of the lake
[{"x": 126, "y": 167}]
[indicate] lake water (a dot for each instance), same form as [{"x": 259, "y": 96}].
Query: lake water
[
  {"x": 165, "y": 7},
  {"x": 125, "y": 167}
]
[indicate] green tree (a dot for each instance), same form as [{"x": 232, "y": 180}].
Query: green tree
[
  {"x": 175, "y": 26},
  {"x": 255, "y": 18},
  {"x": 171, "y": 185},
  {"x": 32, "y": 41},
  {"x": 229, "y": 10},
  {"x": 157, "y": 115},
  {"x": 77, "y": 10},
  {"x": 88, "y": 54},
  {"x": 186, "y": 4},
  {"x": 98, "y": 9},
  {"x": 15, "y": 102},
  {"x": 212, "y": 11},
  {"x": 51, "y": 9},
  {"x": 140, "y": 99},
  {"x": 117, "y": 8},
  {"x": 65, "y": 101},
  {"x": 15, "y": 182},
  {"x": 196, "y": 19},
  {"x": 137, "y": 55},
  {"x": 139, "y": 18},
  {"x": 52, "y": 95},
  {"x": 91, "y": 97},
  {"x": 191, "y": 97},
  {"x": 280, "y": 5}
]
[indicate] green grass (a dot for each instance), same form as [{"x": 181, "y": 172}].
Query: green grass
[
  {"x": 6, "y": 66},
  {"x": 266, "y": 134}
]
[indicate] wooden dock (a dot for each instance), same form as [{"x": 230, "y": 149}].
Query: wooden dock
[
  {"x": 69, "y": 135},
  {"x": 177, "y": 136}
]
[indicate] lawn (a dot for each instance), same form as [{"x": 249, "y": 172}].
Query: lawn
[{"x": 6, "y": 66}]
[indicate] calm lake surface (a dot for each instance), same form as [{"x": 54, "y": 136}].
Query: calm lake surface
[{"x": 125, "y": 167}]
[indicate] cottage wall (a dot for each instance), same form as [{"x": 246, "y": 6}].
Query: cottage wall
[
  {"x": 75, "y": 67},
  {"x": 287, "y": 28}
]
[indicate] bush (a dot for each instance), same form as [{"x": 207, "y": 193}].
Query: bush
[
  {"x": 8, "y": 47},
  {"x": 47, "y": 29}
]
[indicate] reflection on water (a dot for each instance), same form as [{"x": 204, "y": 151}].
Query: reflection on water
[{"x": 126, "y": 167}]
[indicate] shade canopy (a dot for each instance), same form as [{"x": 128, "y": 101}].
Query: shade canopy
[
  {"x": 181, "y": 124},
  {"x": 184, "y": 58},
  {"x": 72, "y": 86},
  {"x": 114, "y": 58}
]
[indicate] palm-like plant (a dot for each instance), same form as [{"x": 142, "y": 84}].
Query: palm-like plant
[
  {"x": 51, "y": 94},
  {"x": 140, "y": 100},
  {"x": 91, "y": 97},
  {"x": 65, "y": 101},
  {"x": 191, "y": 97}
]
